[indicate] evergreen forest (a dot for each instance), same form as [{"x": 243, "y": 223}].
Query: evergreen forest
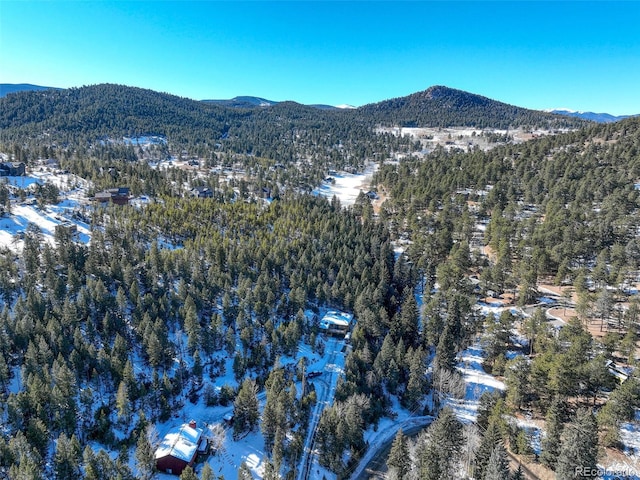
[{"x": 101, "y": 341}]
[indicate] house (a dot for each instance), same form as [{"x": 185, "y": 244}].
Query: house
[
  {"x": 372, "y": 195},
  {"x": 102, "y": 197},
  {"x": 119, "y": 196},
  {"x": 202, "y": 192},
  {"x": 180, "y": 447},
  {"x": 617, "y": 371},
  {"x": 69, "y": 227},
  {"x": 12, "y": 169},
  {"x": 336, "y": 323}
]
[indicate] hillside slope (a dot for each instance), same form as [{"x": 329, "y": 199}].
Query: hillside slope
[
  {"x": 440, "y": 106},
  {"x": 89, "y": 113}
]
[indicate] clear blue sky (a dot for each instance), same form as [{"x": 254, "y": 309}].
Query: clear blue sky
[{"x": 584, "y": 56}]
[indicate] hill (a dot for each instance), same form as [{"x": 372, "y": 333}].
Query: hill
[
  {"x": 93, "y": 112},
  {"x": 243, "y": 102},
  {"x": 441, "y": 106},
  {"x": 7, "y": 88},
  {"x": 90, "y": 113},
  {"x": 258, "y": 102},
  {"x": 594, "y": 117}
]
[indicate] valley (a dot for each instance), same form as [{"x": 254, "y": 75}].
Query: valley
[{"x": 165, "y": 260}]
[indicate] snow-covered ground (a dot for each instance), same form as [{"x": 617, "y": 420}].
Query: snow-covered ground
[
  {"x": 72, "y": 198},
  {"x": 630, "y": 436},
  {"x": 250, "y": 449},
  {"x": 347, "y": 186},
  {"x": 13, "y": 225}
]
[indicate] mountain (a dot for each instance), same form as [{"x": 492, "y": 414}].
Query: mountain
[
  {"x": 440, "y": 106},
  {"x": 243, "y": 102},
  {"x": 86, "y": 114},
  {"x": 594, "y": 117},
  {"x": 255, "y": 102},
  {"x": 6, "y": 88},
  {"x": 107, "y": 110}
]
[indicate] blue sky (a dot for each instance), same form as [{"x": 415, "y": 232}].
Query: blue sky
[{"x": 580, "y": 55}]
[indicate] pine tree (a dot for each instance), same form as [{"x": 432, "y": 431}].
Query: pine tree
[
  {"x": 245, "y": 409},
  {"x": 492, "y": 437},
  {"x": 271, "y": 414},
  {"x": 207, "y": 472},
  {"x": 188, "y": 474},
  {"x": 440, "y": 453},
  {"x": 518, "y": 474},
  {"x": 550, "y": 444},
  {"x": 517, "y": 373},
  {"x": 409, "y": 320},
  {"x": 416, "y": 386},
  {"x": 66, "y": 460},
  {"x": 579, "y": 450},
  {"x": 123, "y": 403},
  {"x": 498, "y": 466},
  {"x": 399, "y": 456},
  {"x": 429, "y": 461},
  {"x": 446, "y": 351},
  {"x": 145, "y": 455},
  {"x": 277, "y": 453}
]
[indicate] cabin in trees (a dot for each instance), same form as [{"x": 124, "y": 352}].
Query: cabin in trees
[
  {"x": 180, "y": 447},
  {"x": 119, "y": 196},
  {"x": 67, "y": 227},
  {"x": 336, "y": 323},
  {"x": 12, "y": 169},
  {"x": 201, "y": 192}
]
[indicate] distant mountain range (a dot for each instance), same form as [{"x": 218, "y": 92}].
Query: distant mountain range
[
  {"x": 6, "y": 88},
  {"x": 83, "y": 115},
  {"x": 594, "y": 117},
  {"x": 243, "y": 102},
  {"x": 253, "y": 102},
  {"x": 463, "y": 99}
]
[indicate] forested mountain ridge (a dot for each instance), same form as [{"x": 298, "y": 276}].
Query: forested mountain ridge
[
  {"x": 81, "y": 119},
  {"x": 594, "y": 117},
  {"x": 441, "y": 106},
  {"x": 98, "y": 111},
  {"x": 86, "y": 114},
  {"x": 243, "y": 102},
  {"x": 7, "y": 88}
]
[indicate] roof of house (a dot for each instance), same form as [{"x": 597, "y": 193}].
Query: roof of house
[
  {"x": 333, "y": 318},
  {"x": 103, "y": 195},
  {"x": 181, "y": 442}
]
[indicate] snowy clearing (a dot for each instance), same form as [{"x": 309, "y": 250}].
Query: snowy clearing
[{"x": 347, "y": 186}]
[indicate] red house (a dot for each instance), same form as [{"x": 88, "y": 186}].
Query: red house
[{"x": 179, "y": 448}]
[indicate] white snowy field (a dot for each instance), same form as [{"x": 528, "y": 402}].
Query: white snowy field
[
  {"x": 72, "y": 197},
  {"x": 13, "y": 225},
  {"x": 347, "y": 186}
]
